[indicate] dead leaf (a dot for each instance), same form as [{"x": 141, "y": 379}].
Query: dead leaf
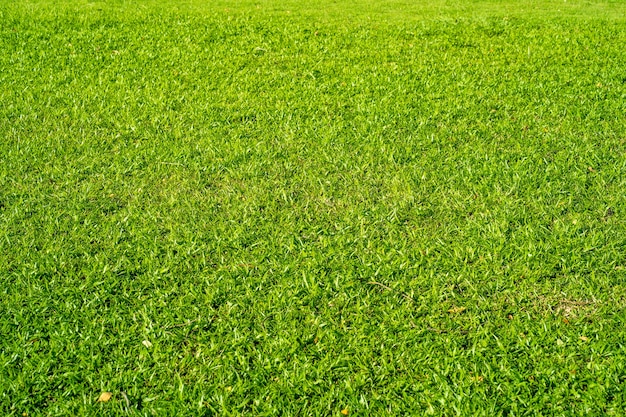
[
  {"x": 456, "y": 310},
  {"x": 104, "y": 397},
  {"x": 584, "y": 338},
  {"x": 147, "y": 344},
  {"x": 345, "y": 412}
]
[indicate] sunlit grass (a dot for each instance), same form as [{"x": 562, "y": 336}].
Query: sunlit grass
[{"x": 295, "y": 208}]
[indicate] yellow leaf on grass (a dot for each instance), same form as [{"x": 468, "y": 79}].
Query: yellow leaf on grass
[
  {"x": 456, "y": 310},
  {"x": 345, "y": 412},
  {"x": 584, "y": 338},
  {"x": 104, "y": 397}
]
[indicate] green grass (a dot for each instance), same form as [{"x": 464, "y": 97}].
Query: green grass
[{"x": 296, "y": 208}]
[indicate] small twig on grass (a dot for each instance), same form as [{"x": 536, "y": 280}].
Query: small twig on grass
[
  {"x": 382, "y": 285},
  {"x": 126, "y": 399},
  {"x": 432, "y": 329},
  {"x": 405, "y": 295}
]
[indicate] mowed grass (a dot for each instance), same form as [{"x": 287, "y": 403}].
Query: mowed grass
[{"x": 292, "y": 208}]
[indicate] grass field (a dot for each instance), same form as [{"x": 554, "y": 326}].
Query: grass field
[{"x": 313, "y": 208}]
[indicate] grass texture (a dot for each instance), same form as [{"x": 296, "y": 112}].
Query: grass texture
[{"x": 317, "y": 208}]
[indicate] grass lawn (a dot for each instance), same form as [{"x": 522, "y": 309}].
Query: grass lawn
[{"x": 327, "y": 208}]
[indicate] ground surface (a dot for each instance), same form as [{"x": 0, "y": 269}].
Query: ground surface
[{"x": 309, "y": 208}]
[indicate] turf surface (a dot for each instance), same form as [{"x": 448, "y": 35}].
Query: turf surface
[{"x": 313, "y": 208}]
